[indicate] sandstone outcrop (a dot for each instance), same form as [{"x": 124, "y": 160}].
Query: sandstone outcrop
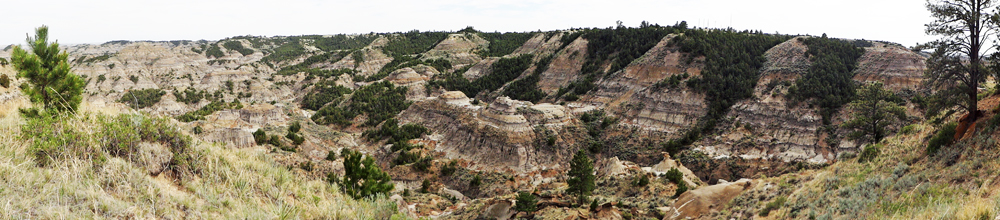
[{"x": 694, "y": 203}]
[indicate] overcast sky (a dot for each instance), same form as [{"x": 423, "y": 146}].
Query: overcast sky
[{"x": 78, "y": 21}]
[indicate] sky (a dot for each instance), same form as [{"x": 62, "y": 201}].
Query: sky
[{"x": 82, "y": 21}]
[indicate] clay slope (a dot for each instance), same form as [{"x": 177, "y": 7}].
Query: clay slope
[
  {"x": 660, "y": 111},
  {"x": 459, "y": 49},
  {"x": 372, "y": 59},
  {"x": 503, "y": 135},
  {"x": 768, "y": 126},
  {"x": 565, "y": 66}
]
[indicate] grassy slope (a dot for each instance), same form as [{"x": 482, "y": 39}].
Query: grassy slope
[
  {"x": 234, "y": 183},
  {"x": 903, "y": 182}
]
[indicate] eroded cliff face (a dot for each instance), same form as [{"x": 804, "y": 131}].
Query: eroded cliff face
[
  {"x": 770, "y": 126},
  {"x": 235, "y": 126},
  {"x": 372, "y": 59},
  {"x": 565, "y": 67},
  {"x": 540, "y": 45},
  {"x": 895, "y": 66},
  {"x": 459, "y": 49},
  {"x": 414, "y": 78},
  {"x": 171, "y": 67},
  {"x": 501, "y": 135},
  {"x": 662, "y": 111}
]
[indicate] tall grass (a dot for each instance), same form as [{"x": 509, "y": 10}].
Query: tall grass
[{"x": 88, "y": 179}]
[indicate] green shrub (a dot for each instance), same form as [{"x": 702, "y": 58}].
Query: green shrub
[
  {"x": 425, "y": 186},
  {"x": 526, "y": 202},
  {"x": 394, "y": 133},
  {"x": 675, "y": 176},
  {"x": 450, "y": 168},
  {"x": 57, "y": 138},
  {"x": 773, "y": 205},
  {"x": 993, "y": 122},
  {"x": 476, "y": 181},
  {"x": 406, "y": 157},
  {"x": 909, "y": 129},
  {"x": 295, "y": 138},
  {"x": 237, "y": 46},
  {"x": 49, "y": 80},
  {"x": 641, "y": 181},
  {"x": 4, "y": 81},
  {"x": 307, "y": 166},
  {"x": 595, "y": 146},
  {"x": 424, "y": 164},
  {"x": 681, "y": 188},
  {"x": 943, "y": 137},
  {"x": 214, "y": 51},
  {"x": 870, "y": 152},
  {"x": 331, "y": 156},
  {"x": 362, "y": 177},
  {"x": 209, "y": 109},
  {"x": 295, "y": 127},
  {"x": 260, "y": 137},
  {"x": 198, "y": 130},
  {"x": 143, "y": 98},
  {"x": 189, "y": 96}
]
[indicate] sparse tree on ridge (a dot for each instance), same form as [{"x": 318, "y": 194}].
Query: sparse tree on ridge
[
  {"x": 50, "y": 81},
  {"x": 873, "y": 113},
  {"x": 956, "y": 65}
]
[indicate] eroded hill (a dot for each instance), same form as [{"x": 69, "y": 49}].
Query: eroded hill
[{"x": 507, "y": 111}]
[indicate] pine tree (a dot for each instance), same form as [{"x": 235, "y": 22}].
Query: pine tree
[
  {"x": 526, "y": 202},
  {"x": 872, "y": 114},
  {"x": 581, "y": 176},
  {"x": 50, "y": 81},
  {"x": 956, "y": 66},
  {"x": 362, "y": 178}
]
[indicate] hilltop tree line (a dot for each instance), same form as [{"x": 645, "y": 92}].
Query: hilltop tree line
[
  {"x": 613, "y": 49},
  {"x": 828, "y": 84},
  {"x": 501, "y": 44}
]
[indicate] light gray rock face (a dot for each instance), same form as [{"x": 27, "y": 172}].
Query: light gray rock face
[{"x": 505, "y": 135}]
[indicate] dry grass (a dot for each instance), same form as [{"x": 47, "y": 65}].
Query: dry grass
[
  {"x": 233, "y": 183},
  {"x": 907, "y": 183}
]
